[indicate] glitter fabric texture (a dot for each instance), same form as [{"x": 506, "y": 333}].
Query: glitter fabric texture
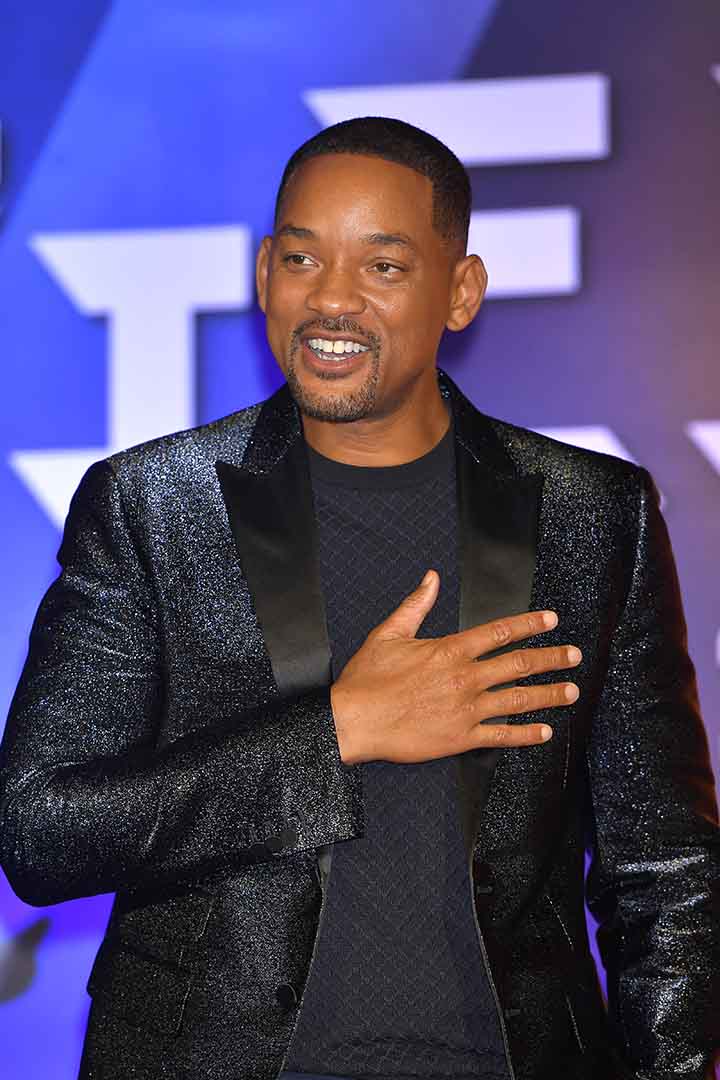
[{"x": 171, "y": 740}]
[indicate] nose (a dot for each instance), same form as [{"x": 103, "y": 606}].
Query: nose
[{"x": 334, "y": 292}]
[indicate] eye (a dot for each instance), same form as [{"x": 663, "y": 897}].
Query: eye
[
  {"x": 295, "y": 255},
  {"x": 385, "y": 268}
]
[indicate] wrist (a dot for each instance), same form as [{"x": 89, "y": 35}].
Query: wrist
[{"x": 345, "y": 730}]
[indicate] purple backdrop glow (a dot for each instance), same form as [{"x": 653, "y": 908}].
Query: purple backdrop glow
[{"x": 141, "y": 148}]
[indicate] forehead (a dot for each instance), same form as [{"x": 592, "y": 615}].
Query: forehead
[{"x": 343, "y": 190}]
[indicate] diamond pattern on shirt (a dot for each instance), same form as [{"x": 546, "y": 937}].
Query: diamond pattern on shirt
[{"x": 397, "y": 989}]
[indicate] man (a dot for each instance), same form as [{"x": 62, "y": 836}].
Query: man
[{"x": 345, "y": 814}]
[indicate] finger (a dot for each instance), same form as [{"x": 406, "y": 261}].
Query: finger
[
  {"x": 498, "y": 735},
  {"x": 523, "y": 662},
  {"x": 478, "y": 640},
  {"x": 407, "y": 618},
  {"x": 521, "y": 699}
]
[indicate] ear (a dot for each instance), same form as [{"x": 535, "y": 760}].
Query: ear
[
  {"x": 262, "y": 271},
  {"x": 468, "y": 290}
]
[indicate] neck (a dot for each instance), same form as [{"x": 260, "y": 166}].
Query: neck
[{"x": 391, "y": 439}]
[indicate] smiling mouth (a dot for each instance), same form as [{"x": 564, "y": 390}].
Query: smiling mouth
[{"x": 325, "y": 349}]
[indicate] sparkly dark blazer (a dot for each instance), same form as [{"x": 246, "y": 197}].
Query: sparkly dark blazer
[{"x": 171, "y": 740}]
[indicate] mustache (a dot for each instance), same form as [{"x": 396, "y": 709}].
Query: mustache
[{"x": 336, "y": 326}]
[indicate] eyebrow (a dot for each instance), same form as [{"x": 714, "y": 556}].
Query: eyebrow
[{"x": 378, "y": 238}]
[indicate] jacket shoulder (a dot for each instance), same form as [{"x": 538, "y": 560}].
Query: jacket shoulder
[
  {"x": 195, "y": 448},
  {"x": 564, "y": 462}
]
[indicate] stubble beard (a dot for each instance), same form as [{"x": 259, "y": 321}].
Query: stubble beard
[{"x": 337, "y": 408}]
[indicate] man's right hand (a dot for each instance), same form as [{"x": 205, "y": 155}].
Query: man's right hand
[{"x": 407, "y": 699}]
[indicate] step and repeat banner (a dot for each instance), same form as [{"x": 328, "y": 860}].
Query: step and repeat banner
[{"x": 141, "y": 146}]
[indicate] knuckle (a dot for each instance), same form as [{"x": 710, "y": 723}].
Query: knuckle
[
  {"x": 457, "y": 682},
  {"x": 500, "y": 733},
  {"x": 552, "y": 658},
  {"x": 520, "y": 661},
  {"x": 445, "y": 651},
  {"x": 519, "y": 699},
  {"x": 477, "y": 709},
  {"x": 561, "y": 658},
  {"x": 501, "y": 631}
]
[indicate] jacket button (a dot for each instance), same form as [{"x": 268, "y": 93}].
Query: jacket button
[
  {"x": 286, "y": 995},
  {"x": 274, "y": 843}
]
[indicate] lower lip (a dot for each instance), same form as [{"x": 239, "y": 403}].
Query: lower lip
[{"x": 342, "y": 366}]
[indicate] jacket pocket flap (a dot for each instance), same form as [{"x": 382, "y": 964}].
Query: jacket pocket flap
[{"x": 145, "y": 993}]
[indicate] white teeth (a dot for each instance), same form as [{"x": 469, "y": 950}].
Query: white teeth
[{"x": 336, "y": 348}]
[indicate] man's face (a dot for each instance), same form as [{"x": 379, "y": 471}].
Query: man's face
[{"x": 355, "y": 259}]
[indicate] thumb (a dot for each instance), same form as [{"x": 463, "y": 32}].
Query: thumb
[{"x": 407, "y": 618}]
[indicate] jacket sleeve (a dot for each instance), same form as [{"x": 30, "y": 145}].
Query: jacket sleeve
[
  {"x": 654, "y": 879},
  {"x": 89, "y": 801}
]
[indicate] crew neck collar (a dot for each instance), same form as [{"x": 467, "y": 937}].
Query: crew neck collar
[{"x": 427, "y": 466}]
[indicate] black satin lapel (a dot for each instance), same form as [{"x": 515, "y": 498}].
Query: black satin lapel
[
  {"x": 498, "y": 544},
  {"x": 273, "y": 524},
  {"x": 498, "y": 540}
]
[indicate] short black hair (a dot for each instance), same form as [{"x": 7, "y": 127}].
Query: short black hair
[{"x": 395, "y": 140}]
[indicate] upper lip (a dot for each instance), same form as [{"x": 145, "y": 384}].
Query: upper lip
[{"x": 325, "y": 336}]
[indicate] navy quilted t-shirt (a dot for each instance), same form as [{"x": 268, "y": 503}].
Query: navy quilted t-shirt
[{"x": 397, "y": 989}]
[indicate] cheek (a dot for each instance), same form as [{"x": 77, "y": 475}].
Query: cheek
[
  {"x": 284, "y": 312},
  {"x": 410, "y": 325},
  {"x": 285, "y": 294}
]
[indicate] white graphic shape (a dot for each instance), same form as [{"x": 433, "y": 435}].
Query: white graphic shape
[
  {"x": 150, "y": 284},
  {"x": 590, "y": 437},
  {"x": 51, "y": 476},
  {"x": 715, "y": 72},
  {"x": 510, "y": 121},
  {"x": 706, "y": 436},
  {"x": 489, "y": 121},
  {"x": 533, "y": 252}
]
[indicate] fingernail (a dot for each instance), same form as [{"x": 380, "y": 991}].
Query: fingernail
[
  {"x": 545, "y": 733},
  {"x": 572, "y": 692},
  {"x": 426, "y": 580},
  {"x": 574, "y": 655},
  {"x": 550, "y": 618}
]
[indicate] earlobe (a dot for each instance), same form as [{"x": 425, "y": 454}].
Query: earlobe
[{"x": 470, "y": 285}]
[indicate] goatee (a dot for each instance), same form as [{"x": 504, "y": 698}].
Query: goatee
[{"x": 356, "y": 404}]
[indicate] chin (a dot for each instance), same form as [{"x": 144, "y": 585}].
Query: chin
[
  {"x": 331, "y": 399},
  {"x": 339, "y": 406}
]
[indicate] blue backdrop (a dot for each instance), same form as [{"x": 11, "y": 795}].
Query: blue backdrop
[{"x": 141, "y": 148}]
